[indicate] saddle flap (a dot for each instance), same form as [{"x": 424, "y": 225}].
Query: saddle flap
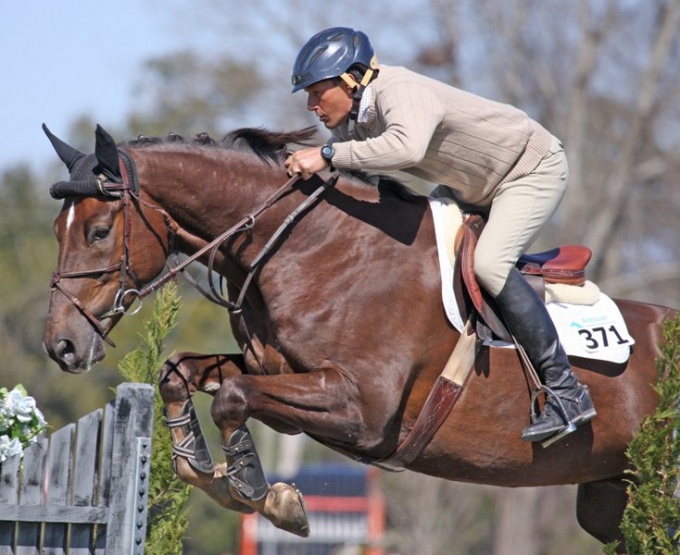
[
  {"x": 564, "y": 265},
  {"x": 482, "y": 303},
  {"x": 472, "y": 228}
]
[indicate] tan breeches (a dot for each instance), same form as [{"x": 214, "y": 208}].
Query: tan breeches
[{"x": 518, "y": 212}]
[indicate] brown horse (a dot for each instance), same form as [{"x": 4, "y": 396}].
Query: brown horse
[{"x": 339, "y": 315}]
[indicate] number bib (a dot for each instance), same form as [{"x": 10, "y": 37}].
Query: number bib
[{"x": 592, "y": 331}]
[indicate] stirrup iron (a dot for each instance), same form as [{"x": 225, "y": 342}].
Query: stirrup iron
[{"x": 569, "y": 425}]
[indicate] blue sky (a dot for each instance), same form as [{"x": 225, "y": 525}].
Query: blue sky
[{"x": 61, "y": 59}]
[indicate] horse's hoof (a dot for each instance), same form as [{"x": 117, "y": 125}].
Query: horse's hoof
[{"x": 285, "y": 508}]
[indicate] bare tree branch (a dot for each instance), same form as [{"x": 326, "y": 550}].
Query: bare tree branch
[
  {"x": 588, "y": 54},
  {"x": 620, "y": 184}
]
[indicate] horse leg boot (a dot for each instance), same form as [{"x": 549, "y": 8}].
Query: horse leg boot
[
  {"x": 282, "y": 504},
  {"x": 192, "y": 446},
  {"x": 568, "y": 403},
  {"x": 191, "y": 459}
]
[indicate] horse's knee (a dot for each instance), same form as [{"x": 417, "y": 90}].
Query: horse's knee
[
  {"x": 229, "y": 408},
  {"x": 173, "y": 383}
]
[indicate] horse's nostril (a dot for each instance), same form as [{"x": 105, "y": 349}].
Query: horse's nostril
[{"x": 65, "y": 351}]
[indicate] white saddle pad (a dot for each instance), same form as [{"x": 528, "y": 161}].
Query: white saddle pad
[{"x": 594, "y": 330}]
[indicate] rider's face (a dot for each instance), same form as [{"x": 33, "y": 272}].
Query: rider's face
[{"x": 330, "y": 100}]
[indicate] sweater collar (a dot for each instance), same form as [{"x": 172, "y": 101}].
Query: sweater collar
[{"x": 367, "y": 107}]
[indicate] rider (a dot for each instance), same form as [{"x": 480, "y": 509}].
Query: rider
[{"x": 492, "y": 156}]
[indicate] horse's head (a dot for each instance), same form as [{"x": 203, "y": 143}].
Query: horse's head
[{"x": 111, "y": 243}]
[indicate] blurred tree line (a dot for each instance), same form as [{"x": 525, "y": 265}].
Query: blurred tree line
[{"x": 603, "y": 75}]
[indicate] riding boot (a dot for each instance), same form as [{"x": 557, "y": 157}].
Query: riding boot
[{"x": 568, "y": 403}]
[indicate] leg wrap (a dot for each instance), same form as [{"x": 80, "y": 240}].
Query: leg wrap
[
  {"x": 193, "y": 447},
  {"x": 245, "y": 473}
]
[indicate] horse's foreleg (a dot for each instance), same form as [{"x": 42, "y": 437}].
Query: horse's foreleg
[
  {"x": 181, "y": 376},
  {"x": 320, "y": 402},
  {"x": 281, "y": 503}
]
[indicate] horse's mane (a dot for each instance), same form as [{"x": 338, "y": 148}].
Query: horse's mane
[
  {"x": 265, "y": 144},
  {"x": 268, "y": 146}
]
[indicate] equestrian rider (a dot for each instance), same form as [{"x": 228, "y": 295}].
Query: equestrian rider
[{"x": 492, "y": 156}]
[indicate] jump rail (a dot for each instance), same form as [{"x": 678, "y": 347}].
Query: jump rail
[{"x": 84, "y": 490}]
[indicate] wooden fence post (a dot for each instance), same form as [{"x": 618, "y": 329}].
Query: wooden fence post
[
  {"x": 130, "y": 464},
  {"x": 84, "y": 491}
]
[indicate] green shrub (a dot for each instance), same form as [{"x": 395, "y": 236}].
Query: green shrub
[
  {"x": 651, "y": 522},
  {"x": 167, "y": 520}
]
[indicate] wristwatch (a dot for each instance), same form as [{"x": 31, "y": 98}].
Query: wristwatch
[{"x": 327, "y": 153}]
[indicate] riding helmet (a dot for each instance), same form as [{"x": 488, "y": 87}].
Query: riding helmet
[{"x": 331, "y": 53}]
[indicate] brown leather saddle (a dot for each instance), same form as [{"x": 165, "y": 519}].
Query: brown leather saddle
[
  {"x": 565, "y": 264},
  {"x": 560, "y": 265}
]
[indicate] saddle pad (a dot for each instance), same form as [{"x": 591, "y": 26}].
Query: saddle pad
[
  {"x": 447, "y": 219},
  {"x": 590, "y": 331}
]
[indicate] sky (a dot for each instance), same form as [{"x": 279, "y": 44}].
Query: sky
[{"x": 60, "y": 59}]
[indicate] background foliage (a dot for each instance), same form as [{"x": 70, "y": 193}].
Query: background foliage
[
  {"x": 570, "y": 64},
  {"x": 652, "y": 520}
]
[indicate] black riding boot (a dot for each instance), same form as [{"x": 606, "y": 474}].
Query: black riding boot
[{"x": 568, "y": 402}]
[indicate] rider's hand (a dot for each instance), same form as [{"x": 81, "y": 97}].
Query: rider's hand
[{"x": 306, "y": 162}]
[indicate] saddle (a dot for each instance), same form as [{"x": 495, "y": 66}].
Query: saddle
[{"x": 565, "y": 265}]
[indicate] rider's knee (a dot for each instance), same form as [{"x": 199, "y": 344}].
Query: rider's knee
[{"x": 490, "y": 272}]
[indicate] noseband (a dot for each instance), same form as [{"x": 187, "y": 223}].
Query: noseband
[{"x": 128, "y": 189}]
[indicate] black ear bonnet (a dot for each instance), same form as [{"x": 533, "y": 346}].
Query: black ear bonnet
[{"x": 94, "y": 174}]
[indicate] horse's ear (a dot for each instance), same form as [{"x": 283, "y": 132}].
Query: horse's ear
[
  {"x": 66, "y": 153},
  {"x": 107, "y": 155}
]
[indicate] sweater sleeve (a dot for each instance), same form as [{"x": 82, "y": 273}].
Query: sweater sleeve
[{"x": 409, "y": 115}]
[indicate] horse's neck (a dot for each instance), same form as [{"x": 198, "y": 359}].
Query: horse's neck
[{"x": 207, "y": 192}]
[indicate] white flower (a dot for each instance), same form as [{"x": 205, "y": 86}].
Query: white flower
[
  {"x": 9, "y": 448},
  {"x": 20, "y": 421},
  {"x": 24, "y": 408}
]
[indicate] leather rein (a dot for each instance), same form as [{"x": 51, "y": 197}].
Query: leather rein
[{"x": 128, "y": 191}]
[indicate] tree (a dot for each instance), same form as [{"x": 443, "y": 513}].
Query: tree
[
  {"x": 567, "y": 63},
  {"x": 185, "y": 92}
]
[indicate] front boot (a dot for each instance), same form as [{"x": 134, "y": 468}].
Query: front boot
[{"x": 568, "y": 403}]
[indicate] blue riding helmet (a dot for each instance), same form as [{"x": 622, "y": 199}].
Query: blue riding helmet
[{"x": 329, "y": 54}]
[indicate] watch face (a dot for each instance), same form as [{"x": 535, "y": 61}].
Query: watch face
[{"x": 327, "y": 152}]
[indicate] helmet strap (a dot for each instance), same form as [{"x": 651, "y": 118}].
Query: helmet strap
[{"x": 358, "y": 91}]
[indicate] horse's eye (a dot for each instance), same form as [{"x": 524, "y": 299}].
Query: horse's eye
[{"x": 101, "y": 233}]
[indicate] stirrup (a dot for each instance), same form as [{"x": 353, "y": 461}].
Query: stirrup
[{"x": 569, "y": 426}]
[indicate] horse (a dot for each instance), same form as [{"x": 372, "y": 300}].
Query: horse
[{"x": 334, "y": 291}]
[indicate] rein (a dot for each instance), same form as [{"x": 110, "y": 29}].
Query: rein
[
  {"x": 246, "y": 223},
  {"x": 127, "y": 190}
]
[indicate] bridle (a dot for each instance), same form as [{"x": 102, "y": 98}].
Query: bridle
[
  {"x": 127, "y": 189},
  {"x": 123, "y": 191}
]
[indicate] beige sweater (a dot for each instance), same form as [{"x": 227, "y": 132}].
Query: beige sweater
[{"x": 441, "y": 134}]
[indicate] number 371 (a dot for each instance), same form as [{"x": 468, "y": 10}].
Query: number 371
[{"x": 601, "y": 337}]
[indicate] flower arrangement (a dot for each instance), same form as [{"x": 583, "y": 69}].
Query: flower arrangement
[{"x": 20, "y": 422}]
